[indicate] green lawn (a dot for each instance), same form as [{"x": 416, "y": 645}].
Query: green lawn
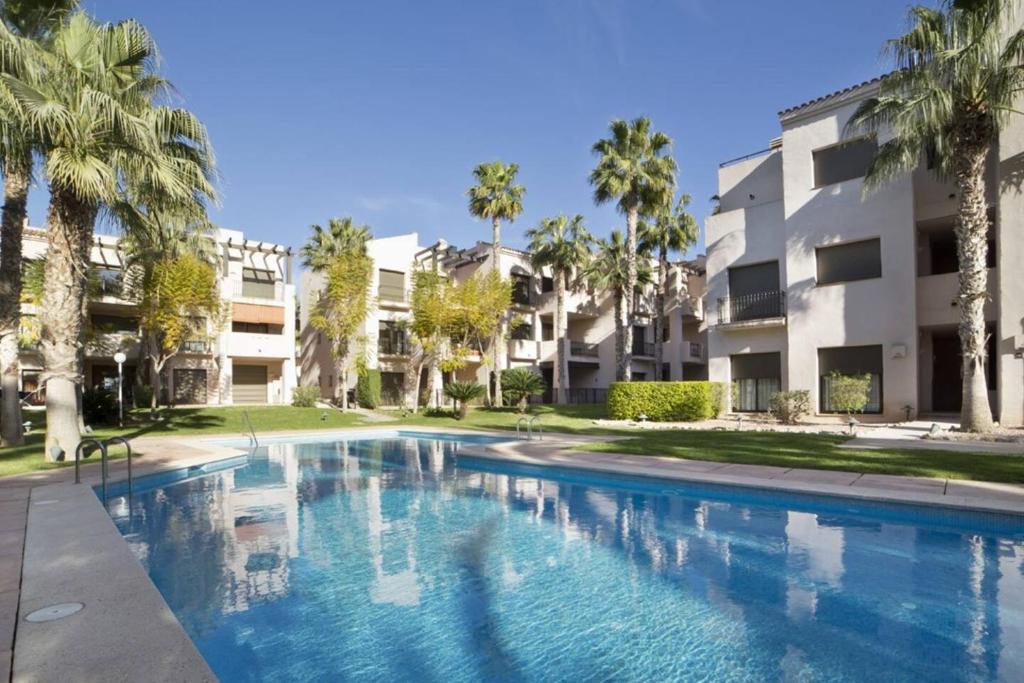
[{"x": 814, "y": 451}]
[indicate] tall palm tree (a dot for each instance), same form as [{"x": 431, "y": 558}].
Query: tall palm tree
[
  {"x": 957, "y": 82},
  {"x": 32, "y": 20},
  {"x": 91, "y": 101},
  {"x": 341, "y": 235},
  {"x": 563, "y": 245},
  {"x": 636, "y": 169},
  {"x": 609, "y": 272},
  {"x": 669, "y": 230},
  {"x": 499, "y": 197}
]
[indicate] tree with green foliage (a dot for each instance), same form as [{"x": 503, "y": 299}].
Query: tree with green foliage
[
  {"x": 32, "y": 20},
  {"x": 849, "y": 393},
  {"x": 91, "y": 96},
  {"x": 956, "y": 84},
  {"x": 520, "y": 384},
  {"x": 428, "y": 328},
  {"x": 462, "y": 393},
  {"x": 668, "y": 230},
  {"x": 477, "y": 315},
  {"x": 498, "y": 197},
  {"x": 341, "y": 310},
  {"x": 563, "y": 245},
  {"x": 342, "y": 235},
  {"x": 636, "y": 170},
  {"x": 178, "y": 302},
  {"x": 609, "y": 272}
]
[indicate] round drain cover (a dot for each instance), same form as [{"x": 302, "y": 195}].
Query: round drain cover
[{"x": 55, "y": 612}]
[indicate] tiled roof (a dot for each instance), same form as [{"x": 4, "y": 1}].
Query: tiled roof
[{"x": 837, "y": 95}]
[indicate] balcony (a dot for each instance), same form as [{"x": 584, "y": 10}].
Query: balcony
[
  {"x": 266, "y": 291},
  {"x": 584, "y": 349},
  {"x": 195, "y": 346},
  {"x": 392, "y": 346},
  {"x": 643, "y": 349},
  {"x": 761, "y": 309},
  {"x": 259, "y": 345},
  {"x": 523, "y": 349}
]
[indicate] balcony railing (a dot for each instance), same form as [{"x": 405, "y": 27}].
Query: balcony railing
[
  {"x": 392, "y": 346},
  {"x": 642, "y": 348},
  {"x": 195, "y": 346},
  {"x": 578, "y": 348},
  {"x": 757, "y": 306},
  {"x": 110, "y": 286},
  {"x": 272, "y": 291}
]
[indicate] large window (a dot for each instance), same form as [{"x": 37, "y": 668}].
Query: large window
[
  {"x": 851, "y": 360},
  {"x": 521, "y": 289},
  {"x": 844, "y": 161},
  {"x": 258, "y": 283},
  {"x": 391, "y": 338},
  {"x": 848, "y": 262},
  {"x": 114, "y": 323},
  {"x": 753, "y": 294},
  {"x": 255, "y": 328},
  {"x": 391, "y": 285},
  {"x": 755, "y": 376}
]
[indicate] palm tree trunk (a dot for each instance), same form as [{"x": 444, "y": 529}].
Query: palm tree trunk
[
  {"x": 69, "y": 239},
  {"x": 972, "y": 252},
  {"x": 621, "y": 374},
  {"x": 562, "y": 354},
  {"x": 499, "y": 337},
  {"x": 626, "y": 360},
  {"x": 659, "y": 320},
  {"x": 16, "y": 183}
]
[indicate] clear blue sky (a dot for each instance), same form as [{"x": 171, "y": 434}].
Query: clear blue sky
[{"x": 380, "y": 109}]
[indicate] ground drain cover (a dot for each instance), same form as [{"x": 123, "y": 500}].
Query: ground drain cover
[{"x": 55, "y": 612}]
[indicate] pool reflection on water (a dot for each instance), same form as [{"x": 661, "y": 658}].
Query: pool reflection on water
[{"x": 390, "y": 559}]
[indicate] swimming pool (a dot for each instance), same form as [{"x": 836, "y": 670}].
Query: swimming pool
[{"x": 394, "y": 558}]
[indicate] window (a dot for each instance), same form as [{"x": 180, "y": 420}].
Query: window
[
  {"x": 521, "y": 289},
  {"x": 547, "y": 285},
  {"x": 258, "y": 283},
  {"x": 666, "y": 371},
  {"x": 755, "y": 377},
  {"x": 849, "y": 262},
  {"x": 547, "y": 331},
  {"x": 391, "y": 285},
  {"x": 114, "y": 323},
  {"x": 639, "y": 377},
  {"x": 851, "y": 360},
  {"x": 523, "y": 331},
  {"x": 844, "y": 161},
  {"x": 641, "y": 347},
  {"x": 391, "y": 338},
  {"x": 755, "y": 279},
  {"x": 664, "y": 330},
  {"x": 753, "y": 294},
  {"x": 109, "y": 281},
  {"x": 255, "y": 328}
]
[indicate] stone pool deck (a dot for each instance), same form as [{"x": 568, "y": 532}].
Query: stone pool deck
[{"x": 57, "y": 544}]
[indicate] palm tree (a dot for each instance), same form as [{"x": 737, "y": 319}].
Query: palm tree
[
  {"x": 342, "y": 235},
  {"x": 956, "y": 84},
  {"x": 563, "y": 245},
  {"x": 609, "y": 272},
  {"x": 635, "y": 168},
  {"x": 499, "y": 197},
  {"x": 91, "y": 101},
  {"x": 670, "y": 230},
  {"x": 31, "y": 20}
]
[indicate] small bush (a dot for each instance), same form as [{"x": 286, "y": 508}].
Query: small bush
[
  {"x": 305, "y": 397},
  {"x": 99, "y": 406},
  {"x": 849, "y": 393},
  {"x": 368, "y": 388},
  {"x": 463, "y": 393},
  {"x": 664, "y": 401},
  {"x": 142, "y": 396},
  {"x": 519, "y": 384},
  {"x": 788, "y": 407}
]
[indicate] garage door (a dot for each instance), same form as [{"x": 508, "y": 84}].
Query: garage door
[
  {"x": 189, "y": 386},
  {"x": 249, "y": 384}
]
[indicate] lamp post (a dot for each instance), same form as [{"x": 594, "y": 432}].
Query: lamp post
[{"x": 120, "y": 358}]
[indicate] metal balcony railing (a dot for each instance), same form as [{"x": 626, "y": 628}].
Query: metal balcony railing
[
  {"x": 392, "y": 346},
  {"x": 578, "y": 348},
  {"x": 195, "y": 346},
  {"x": 642, "y": 348},
  {"x": 757, "y": 306}
]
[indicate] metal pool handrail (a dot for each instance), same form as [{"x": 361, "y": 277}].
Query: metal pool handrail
[
  {"x": 128, "y": 447},
  {"x": 102, "y": 445},
  {"x": 540, "y": 428},
  {"x": 520, "y": 421},
  {"x": 78, "y": 457},
  {"x": 253, "y": 441}
]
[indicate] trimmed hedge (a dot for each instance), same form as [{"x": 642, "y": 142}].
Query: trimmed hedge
[
  {"x": 368, "y": 388},
  {"x": 305, "y": 397},
  {"x": 665, "y": 401}
]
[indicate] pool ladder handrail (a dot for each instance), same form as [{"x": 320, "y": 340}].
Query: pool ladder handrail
[
  {"x": 253, "y": 441},
  {"x": 102, "y": 445},
  {"x": 529, "y": 420}
]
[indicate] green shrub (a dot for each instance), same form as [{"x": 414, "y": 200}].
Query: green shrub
[
  {"x": 142, "y": 395},
  {"x": 368, "y": 388},
  {"x": 849, "y": 393},
  {"x": 99, "y": 406},
  {"x": 664, "y": 401},
  {"x": 717, "y": 398},
  {"x": 519, "y": 384},
  {"x": 789, "y": 406},
  {"x": 463, "y": 393},
  {"x": 305, "y": 397}
]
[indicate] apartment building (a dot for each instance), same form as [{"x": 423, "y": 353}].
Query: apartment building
[
  {"x": 250, "y": 360},
  {"x": 808, "y": 275},
  {"x": 531, "y": 342}
]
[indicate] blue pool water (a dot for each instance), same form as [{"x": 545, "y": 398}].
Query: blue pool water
[{"x": 396, "y": 559}]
